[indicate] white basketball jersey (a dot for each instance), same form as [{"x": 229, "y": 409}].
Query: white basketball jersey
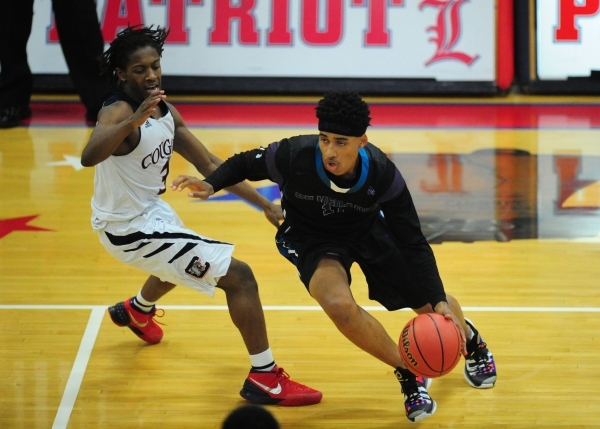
[{"x": 125, "y": 185}]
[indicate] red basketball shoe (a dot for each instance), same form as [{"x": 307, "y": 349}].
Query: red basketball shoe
[
  {"x": 142, "y": 324},
  {"x": 275, "y": 387}
]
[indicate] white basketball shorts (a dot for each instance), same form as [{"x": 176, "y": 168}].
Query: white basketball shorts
[{"x": 157, "y": 243}]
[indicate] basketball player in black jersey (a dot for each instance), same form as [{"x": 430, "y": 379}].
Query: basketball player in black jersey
[{"x": 344, "y": 201}]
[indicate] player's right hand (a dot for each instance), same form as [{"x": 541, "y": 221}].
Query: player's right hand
[
  {"x": 198, "y": 188},
  {"x": 444, "y": 309},
  {"x": 148, "y": 107}
]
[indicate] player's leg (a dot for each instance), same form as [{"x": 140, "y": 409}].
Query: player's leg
[
  {"x": 153, "y": 290},
  {"x": 16, "y": 81},
  {"x": 389, "y": 279},
  {"x": 329, "y": 286},
  {"x": 82, "y": 43},
  {"x": 480, "y": 367},
  {"x": 159, "y": 245},
  {"x": 266, "y": 383},
  {"x": 244, "y": 305}
]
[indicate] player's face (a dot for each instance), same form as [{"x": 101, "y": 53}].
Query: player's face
[
  {"x": 340, "y": 153},
  {"x": 142, "y": 74}
]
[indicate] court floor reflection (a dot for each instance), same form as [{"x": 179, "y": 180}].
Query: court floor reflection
[{"x": 504, "y": 194}]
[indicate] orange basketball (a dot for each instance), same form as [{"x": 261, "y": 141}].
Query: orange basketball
[{"x": 430, "y": 345}]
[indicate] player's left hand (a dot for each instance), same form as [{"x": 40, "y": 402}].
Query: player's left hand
[
  {"x": 443, "y": 308},
  {"x": 273, "y": 213},
  {"x": 198, "y": 188}
]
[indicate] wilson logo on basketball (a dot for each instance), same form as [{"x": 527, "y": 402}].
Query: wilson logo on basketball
[{"x": 406, "y": 346}]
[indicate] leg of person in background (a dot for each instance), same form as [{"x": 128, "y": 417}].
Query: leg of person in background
[
  {"x": 82, "y": 45},
  {"x": 16, "y": 81}
]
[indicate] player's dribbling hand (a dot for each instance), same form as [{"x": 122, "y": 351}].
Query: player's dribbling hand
[
  {"x": 443, "y": 308},
  {"x": 197, "y": 187}
]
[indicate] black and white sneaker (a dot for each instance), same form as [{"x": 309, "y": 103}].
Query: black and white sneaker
[
  {"x": 417, "y": 402},
  {"x": 480, "y": 368}
]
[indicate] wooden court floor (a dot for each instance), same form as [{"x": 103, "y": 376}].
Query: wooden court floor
[{"x": 523, "y": 260}]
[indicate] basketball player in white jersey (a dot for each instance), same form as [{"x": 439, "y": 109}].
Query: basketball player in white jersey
[{"x": 131, "y": 145}]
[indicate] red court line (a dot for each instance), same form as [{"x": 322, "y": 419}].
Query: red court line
[{"x": 268, "y": 114}]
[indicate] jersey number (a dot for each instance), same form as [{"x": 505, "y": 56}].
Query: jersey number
[{"x": 164, "y": 172}]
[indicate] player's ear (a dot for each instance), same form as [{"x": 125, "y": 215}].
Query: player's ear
[
  {"x": 363, "y": 140},
  {"x": 120, "y": 74}
]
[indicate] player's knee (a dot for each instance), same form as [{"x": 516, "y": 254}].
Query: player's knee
[
  {"x": 239, "y": 276},
  {"x": 241, "y": 269},
  {"x": 340, "y": 309}
]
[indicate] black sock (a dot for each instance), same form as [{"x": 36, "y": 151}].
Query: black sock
[
  {"x": 140, "y": 307},
  {"x": 473, "y": 343},
  {"x": 264, "y": 368}
]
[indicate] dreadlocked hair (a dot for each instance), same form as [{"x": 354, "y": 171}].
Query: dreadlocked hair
[
  {"x": 344, "y": 107},
  {"x": 128, "y": 41}
]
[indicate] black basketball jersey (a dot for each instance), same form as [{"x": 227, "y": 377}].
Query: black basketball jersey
[{"x": 315, "y": 201}]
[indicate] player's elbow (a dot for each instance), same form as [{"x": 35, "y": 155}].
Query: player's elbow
[
  {"x": 91, "y": 158},
  {"x": 87, "y": 161}
]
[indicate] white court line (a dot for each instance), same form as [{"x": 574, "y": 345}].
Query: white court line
[
  {"x": 49, "y": 307},
  {"x": 299, "y": 308},
  {"x": 79, "y": 366}
]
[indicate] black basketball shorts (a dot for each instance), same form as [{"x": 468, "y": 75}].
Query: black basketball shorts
[{"x": 390, "y": 278}]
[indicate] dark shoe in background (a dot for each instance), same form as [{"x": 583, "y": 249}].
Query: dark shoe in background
[{"x": 12, "y": 115}]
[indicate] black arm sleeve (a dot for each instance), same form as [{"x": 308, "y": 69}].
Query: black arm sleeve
[
  {"x": 253, "y": 165},
  {"x": 401, "y": 217}
]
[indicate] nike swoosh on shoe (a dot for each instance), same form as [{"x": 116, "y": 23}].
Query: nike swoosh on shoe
[
  {"x": 135, "y": 322},
  {"x": 274, "y": 390}
]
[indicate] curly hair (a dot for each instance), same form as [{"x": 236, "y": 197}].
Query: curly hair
[
  {"x": 343, "y": 112},
  {"x": 128, "y": 41}
]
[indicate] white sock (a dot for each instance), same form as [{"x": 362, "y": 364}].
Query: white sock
[
  {"x": 143, "y": 304},
  {"x": 263, "y": 361}
]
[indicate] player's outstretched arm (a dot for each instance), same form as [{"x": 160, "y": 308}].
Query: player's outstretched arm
[
  {"x": 188, "y": 146},
  {"x": 197, "y": 188},
  {"x": 116, "y": 123}
]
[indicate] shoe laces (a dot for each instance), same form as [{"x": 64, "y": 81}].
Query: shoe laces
[
  {"x": 480, "y": 358},
  {"x": 280, "y": 373},
  {"x": 283, "y": 378},
  {"x": 157, "y": 312},
  {"x": 410, "y": 389}
]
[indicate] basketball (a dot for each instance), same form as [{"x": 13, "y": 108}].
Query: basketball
[{"x": 430, "y": 345}]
